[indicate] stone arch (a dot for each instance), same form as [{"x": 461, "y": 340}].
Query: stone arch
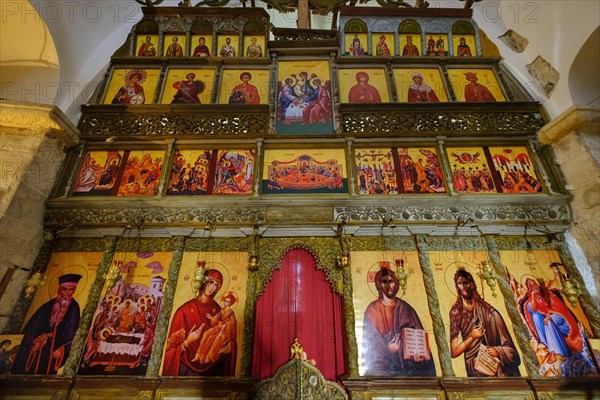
[{"x": 584, "y": 81}]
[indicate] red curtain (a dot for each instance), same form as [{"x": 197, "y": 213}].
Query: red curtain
[{"x": 298, "y": 303}]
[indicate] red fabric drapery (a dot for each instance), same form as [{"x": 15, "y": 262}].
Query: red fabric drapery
[{"x": 298, "y": 302}]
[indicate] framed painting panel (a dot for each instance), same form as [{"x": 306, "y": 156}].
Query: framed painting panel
[
  {"x": 557, "y": 327},
  {"x": 146, "y": 45},
  {"x": 244, "y": 86},
  {"x": 437, "y": 44},
  {"x": 475, "y": 85},
  {"x": 99, "y": 173},
  {"x": 464, "y": 45},
  {"x": 383, "y": 44},
  {"x": 254, "y": 46},
  {"x": 419, "y": 85},
  {"x": 411, "y": 45},
  {"x": 132, "y": 86},
  {"x": 420, "y": 170},
  {"x": 364, "y": 85},
  {"x": 595, "y": 347},
  {"x": 515, "y": 170},
  {"x": 376, "y": 171},
  {"x": 190, "y": 172},
  {"x": 214, "y": 310},
  {"x": 398, "y": 170},
  {"x": 49, "y": 329},
  {"x": 9, "y": 347},
  {"x": 122, "y": 333},
  {"x": 188, "y": 86},
  {"x": 141, "y": 174},
  {"x": 376, "y": 288},
  {"x": 174, "y": 45},
  {"x": 480, "y": 334},
  {"x": 202, "y": 45},
  {"x": 304, "y": 171},
  {"x": 304, "y": 104},
  {"x": 234, "y": 172},
  {"x": 470, "y": 170},
  {"x": 228, "y": 45},
  {"x": 357, "y": 44}
]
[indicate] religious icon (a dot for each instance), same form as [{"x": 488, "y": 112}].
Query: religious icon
[
  {"x": 485, "y": 341},
  {"x": 122, "y": 333},
  {"x": 245, "y": 92},
  {"x": 480, "y": 335},
  {"x": 141, "y": 173},
  {"x": 420, "y": 85},
  {"x": 515, "y": 170},
  {"x": 133, "y": 91},
  {"x": 174, "y": 45},
  {"x": 421, "y": 170},
  {"x": 465, "y": 46},
  {"x": 132, "y": 86},
  {"x": 304, "y": 171},
  {"x": 234, "y": 172},
  {"x": 304, "y": 102},
  {"x": 98, "y": 173},
  {"x": 376, "y": 172},
  {"x": 370, "y": 85},
  {"x": 254, "y": 46},
  {"x": 190, "y": 172},
  {"x": 437, "y": 44},
  {"x": 203, "y": 47},
  {"x": 244, "y": 86},
  {"x": 356, "y": 47},
  {"x": 383, "y": 45},
  {"x": 393, "y": 328},
  {"x": 9, "y": 346},
  {"x": 558, "y": 329},
  {"x": 412, "y": 45},
  {"x": 475, "y": 85},
  {"x": 146, "y": 45},
  {"x": 470, "y": 170},
  {"x": 206, "y": 322},
  {"x": 227, "y": 46},
  {"x": 188, "y": 86},
  {"x": 54, "y": 315}
]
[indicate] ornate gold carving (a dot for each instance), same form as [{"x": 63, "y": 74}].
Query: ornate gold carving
[
  {"x": 179, "y": 244},
  {"x": 441, "y": 213},
  {"x": 434, "y": 306},
  {"x": 85, "y": 322},
  {"x": 521, "y": 332},
  {"x": 120, "y": 216},
  {"x": 298, "y": 379},
  {"x": 230, "y": 122},
  {"x": 450, "y": 123}
]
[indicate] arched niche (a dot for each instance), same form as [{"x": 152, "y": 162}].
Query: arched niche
[
  {"x": 356, "y": 25},
  {"x": 409, "y": 26},
  {"x": 463, "y": 28},
  {"x": 201, "y": 27}
]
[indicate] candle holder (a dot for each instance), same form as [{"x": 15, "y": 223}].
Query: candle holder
[
  {"x": 253, "y": 251},
  {"x": 570, "y": 289},
  {"x": 199, "y": 275},
  {"x": 113, "y": 275},
  {"x": 401, "y": 274},
  {"x": 343, "y": 260},
  {"x": 33, "y": 284},
  {"x": 485, "y": 272}
]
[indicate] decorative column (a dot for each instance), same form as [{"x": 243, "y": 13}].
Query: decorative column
[
  {"x": 160, "y": 333},
  {"x": 439, "y": 330},
  {"x": 520, "y": 330},
  {"x": 445, "y": 165},
  {"x": 78, "y": 343},
  {"x": 349, "y": 320}
]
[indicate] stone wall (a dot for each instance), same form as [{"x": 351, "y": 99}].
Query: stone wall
[
  {"x": 33, "y": 140},
  {"x": 574, "y": 136}
]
